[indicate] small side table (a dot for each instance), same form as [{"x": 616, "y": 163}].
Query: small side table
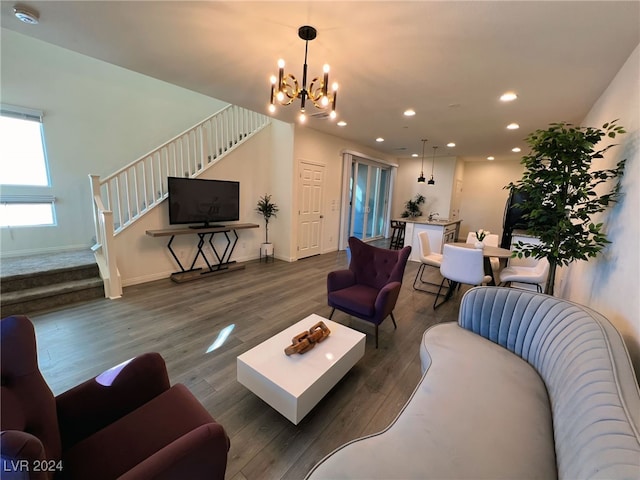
[{"x": 266, "y": 257}]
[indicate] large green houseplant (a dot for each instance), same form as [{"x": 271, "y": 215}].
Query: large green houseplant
[{"x": 562, "y": 193}]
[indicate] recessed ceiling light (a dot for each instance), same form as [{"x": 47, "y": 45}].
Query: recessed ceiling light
[
  {"x": 516, "y": 149},
  {"x": 26, "y": 15},
  {"x": 451, "y": 144},
  {"x": 409, "y": 113},
  {"x": 513, "y": 126},
  {"x": 491, "y": 158},
  {"x": 415, "y": 155},
  {"x": 379, "y": 139},
  {"x": 508, "y": 97},
  {"x": 342, "y": 123}
]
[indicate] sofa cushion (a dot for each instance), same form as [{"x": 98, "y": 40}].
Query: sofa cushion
[
  {"x": 479, "y": 412},
  {"x": 359, "y": 299},
  {"x": 112, "y": 451}
]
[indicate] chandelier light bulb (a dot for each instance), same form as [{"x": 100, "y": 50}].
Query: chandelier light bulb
[
  {"x": 333, "y": 115},
  {"x": 302, "y": 117},
  {"x": 272, "y": 108},
  {"x": 280, "y": 96},
  {"x": 325, "y": 68},
  {"x": 324, "y": 101},
  {"x": 281, "y": 63},
  {"x": 334, "y": 87},
  {"x": 273, "y": 79}
]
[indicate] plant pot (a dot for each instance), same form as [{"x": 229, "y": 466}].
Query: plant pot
[
  {"x": 266, "y": 249},
  {"x": 479, "y": 245}
]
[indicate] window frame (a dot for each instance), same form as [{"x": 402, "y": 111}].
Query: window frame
[{"x": 25, "y": 194}]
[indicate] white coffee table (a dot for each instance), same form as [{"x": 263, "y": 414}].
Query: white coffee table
[{"x": 294, "y": 384}]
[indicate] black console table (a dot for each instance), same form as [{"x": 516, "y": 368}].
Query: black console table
[{"x": 221, "y": 263}]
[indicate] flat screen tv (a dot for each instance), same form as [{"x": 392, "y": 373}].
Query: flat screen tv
[{"x": 203, "y": 202}]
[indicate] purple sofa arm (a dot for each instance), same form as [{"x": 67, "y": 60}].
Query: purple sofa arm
[
  {"x": 200, "y": 454},
  {"x": 386, "y": 299},
  {"x": 340, "y": 279},
  {"x": 98, "y": 402},
  {"x": 21, "y": 452}
]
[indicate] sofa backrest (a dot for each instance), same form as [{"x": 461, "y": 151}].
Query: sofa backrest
[
  {"x": 585, "y": 366},
  {"x": 27, "y": 402}
]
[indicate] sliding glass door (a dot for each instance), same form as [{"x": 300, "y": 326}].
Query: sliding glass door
[{"x": 369, "y": 194}]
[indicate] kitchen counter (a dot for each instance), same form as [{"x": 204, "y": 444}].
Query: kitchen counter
[
  {"x": 426, "y": 221},
  {"x": 440, "y": 231}
]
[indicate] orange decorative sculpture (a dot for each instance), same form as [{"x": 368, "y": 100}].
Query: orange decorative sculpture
[{"x": 305, "y": 341}]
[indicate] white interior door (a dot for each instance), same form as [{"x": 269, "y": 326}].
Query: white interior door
[{"x": 310, "y": 194}]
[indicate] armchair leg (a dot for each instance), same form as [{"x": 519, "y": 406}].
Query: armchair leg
[
  {"x": 331, "y": 315},
  {"x": 376, "y": 336},
  {"x": 394, "y": 321}
]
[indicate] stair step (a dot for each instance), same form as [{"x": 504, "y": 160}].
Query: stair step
[
  {"x": 25, "y": 281},
  {"x": 45, "y": 297}
]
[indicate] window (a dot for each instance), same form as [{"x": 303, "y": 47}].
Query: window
[{"x": 25, "y": 199}]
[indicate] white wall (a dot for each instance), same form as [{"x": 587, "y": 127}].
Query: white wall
[
  {"x": 142, "y": 258},
  {"x": 609, "y": 283},
  {"x": 438, "y": 196},
  {"x": 98, "y": 118},
  {"x": 483, "y": 197}
]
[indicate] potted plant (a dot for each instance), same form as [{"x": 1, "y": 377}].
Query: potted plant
[
  {"x": 412, "y": 207},
  {"x": 267, "y": 209},
  {"x": 562, "y": 193}
]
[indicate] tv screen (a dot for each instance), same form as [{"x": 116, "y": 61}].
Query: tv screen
[{"x": 207, "y": 202}]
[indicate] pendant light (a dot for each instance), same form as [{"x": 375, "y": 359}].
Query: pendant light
[
  {"x": 433, "y": 161},
  {"x": 421, "y": 178}
]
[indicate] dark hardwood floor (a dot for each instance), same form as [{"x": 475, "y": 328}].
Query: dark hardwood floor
[{"x": 181, "y": 321}]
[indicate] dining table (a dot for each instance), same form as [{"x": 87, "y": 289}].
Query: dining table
[{"x": 503, "y": 254}]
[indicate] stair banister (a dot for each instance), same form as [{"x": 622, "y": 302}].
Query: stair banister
[{"x": 124, "y": 196}]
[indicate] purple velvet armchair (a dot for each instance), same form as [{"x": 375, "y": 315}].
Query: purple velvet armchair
[
  {"x": 126, "y": 423},
  {"x": 370, "y": 287}
]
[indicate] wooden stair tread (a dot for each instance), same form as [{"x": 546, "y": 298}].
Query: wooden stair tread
[{"x": 28, "y": 294}]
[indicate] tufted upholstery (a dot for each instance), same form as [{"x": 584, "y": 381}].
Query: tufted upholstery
[
  {"x": 583, "y": 362},
  {"x": 126, "y": 423},
  {"x": 370, "y": 288},
  {"x": 27, "y": 404},
  {"x": 524, "y": 386}
]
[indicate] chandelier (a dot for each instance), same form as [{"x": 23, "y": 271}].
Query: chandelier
[{"x": 285, "y": 88}]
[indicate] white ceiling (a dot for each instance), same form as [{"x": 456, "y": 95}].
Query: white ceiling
[{"x": 447, "y": 60}]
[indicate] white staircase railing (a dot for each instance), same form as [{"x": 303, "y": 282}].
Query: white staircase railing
[{"x": 124, "y": 196}]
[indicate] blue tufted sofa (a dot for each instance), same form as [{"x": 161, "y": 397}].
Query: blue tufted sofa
[{"x": 523, "y": 386}]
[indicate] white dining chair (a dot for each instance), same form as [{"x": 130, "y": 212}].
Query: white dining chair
[
  {"x": 491, "y": 240},
  {"x": 526, "y": 270},
  {"x": 460, "y": 265},
  {"x": 427, "y": 259}
]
